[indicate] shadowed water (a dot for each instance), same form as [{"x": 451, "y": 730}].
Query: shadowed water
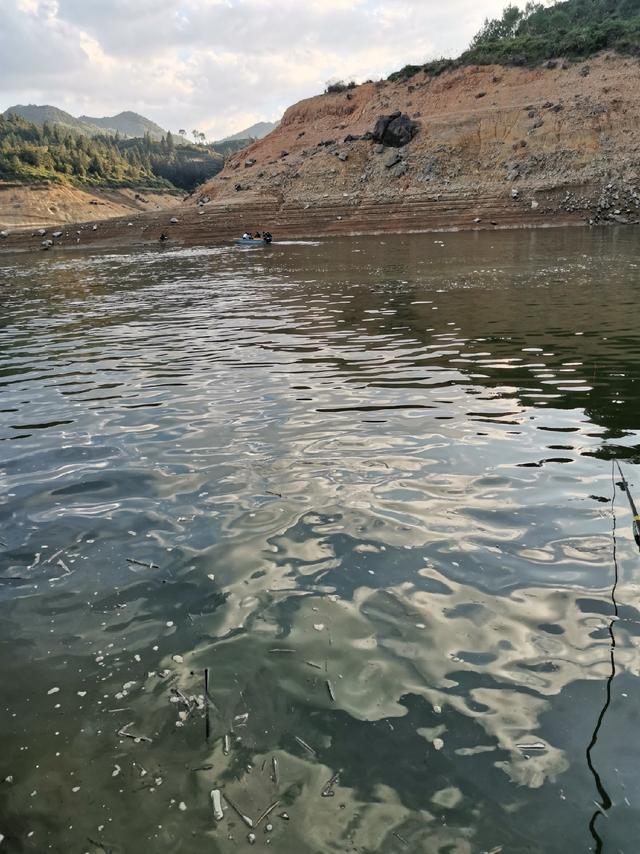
[{"x": 368, "y": 485}]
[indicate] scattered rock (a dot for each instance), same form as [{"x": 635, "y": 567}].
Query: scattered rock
[
  {"x": 174, "y": 220},
  {"x": 249, "y": 163},
  {"x": 4, "y": 234},
  {"x": 392, "y": 159},
  {"x": 395, "y": 130},
  {"x": 514, "y": 194},
  {"x": 59, "y": 233},
  {"x": 343, "y": 156},
  {"x": 550, "y": 64},
  {"x": 534, "y": 205},
  {"x": 585, "y": 71},
  {"x": 352, "y": 137},
  {"x": 378, "y": 149},
  {"x": 481, "y": 95}
]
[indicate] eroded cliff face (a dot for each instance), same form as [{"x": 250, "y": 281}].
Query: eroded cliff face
[{"x": 510, "y": 132}]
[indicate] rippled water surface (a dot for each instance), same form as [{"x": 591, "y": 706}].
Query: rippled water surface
[{"x": 367, "y": 484}]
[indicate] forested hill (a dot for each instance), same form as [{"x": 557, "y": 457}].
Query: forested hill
[
  {"x": 126, "y": 124},
  {"x": 32, "y": 153},
  {"x": 572, "y": 29}
]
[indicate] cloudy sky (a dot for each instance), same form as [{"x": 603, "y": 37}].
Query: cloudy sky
[{"x": 215, "y": 65}]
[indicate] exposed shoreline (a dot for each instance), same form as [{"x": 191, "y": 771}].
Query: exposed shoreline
[{"x": 218, "y": 224}]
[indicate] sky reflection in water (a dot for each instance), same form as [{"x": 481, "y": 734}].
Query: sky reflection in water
[{"x": 376, "y": 478}]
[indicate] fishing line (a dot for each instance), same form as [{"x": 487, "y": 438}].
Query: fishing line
[{"x": 605, "y": 801}]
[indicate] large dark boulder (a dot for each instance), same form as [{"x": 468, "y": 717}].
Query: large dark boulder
[{"x": 395, "y": 130}]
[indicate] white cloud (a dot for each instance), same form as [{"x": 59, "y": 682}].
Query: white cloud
[{"x": 215, "y": 64}]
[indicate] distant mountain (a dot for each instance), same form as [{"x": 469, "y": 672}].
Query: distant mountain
[
  {"x": 126, "y": 123},
  {"x": 38, "y": 115},
  {"x": 257, "y": 131}
]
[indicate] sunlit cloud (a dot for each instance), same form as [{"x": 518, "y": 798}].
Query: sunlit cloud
[{"x": 215, "y": 64}]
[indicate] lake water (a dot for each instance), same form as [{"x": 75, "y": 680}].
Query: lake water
[{"x": 367, "y": 484}]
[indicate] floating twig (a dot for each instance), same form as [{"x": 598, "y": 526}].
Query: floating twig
[
  {"x": 226, "y": 744},
  {"x": 276, "y": 651},
  {"x": 216, "y": 800},
  {"x": 274, "y": 770},
  {"x": 330, "y": 690},
  {"x": 313, "y": 664},
  {"x": 203, "y": 768},
  {"x": 327, "y": 791},
  {"x": 401, "y": 838},
  {"x": 142, "y": 563},
  {"x": 64, "y": 566},
  {"x": 123, "y": 733},
  {"x": 245, "y": 818},
  {"x": 306, "y": 746},
  {"x": 53, "y": 556},
  {"x": 182, "y": 697},
  {"x": 267, "y": 812}
]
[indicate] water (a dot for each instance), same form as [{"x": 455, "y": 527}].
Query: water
[{"x": 378, "y": 469}]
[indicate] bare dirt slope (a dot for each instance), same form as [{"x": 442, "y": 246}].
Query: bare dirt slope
[
  {"x": 30, "y": 205},
  {"x": 496, "y": 148},
  {"x": 489, "y": 130}
]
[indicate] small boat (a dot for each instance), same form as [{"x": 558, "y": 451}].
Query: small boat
[{"x": 242, "y": 241}]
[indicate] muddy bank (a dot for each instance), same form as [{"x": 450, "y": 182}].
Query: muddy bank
[
  {"x": 214, "y": 223},
  {"x": 48, "y": 205}
]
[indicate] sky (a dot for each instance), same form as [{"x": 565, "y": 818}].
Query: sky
[{"x": 215, "y": 65}]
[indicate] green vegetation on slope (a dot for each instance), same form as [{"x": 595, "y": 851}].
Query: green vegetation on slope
[
  {"x": 126, "y": 124},
  {"x": 39, "y": 115},
  {"x": 31, "y": 153},
  {"x": 185, "y": 165},
  {"x": 575, "y": 29}
]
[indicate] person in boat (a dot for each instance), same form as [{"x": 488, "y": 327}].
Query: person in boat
[
  {"x": 267, "y": 237},
  {"x": 246, "y": 235},
  {"x": 163, "y": 237},
  {"x": 257, "y": 236}
]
